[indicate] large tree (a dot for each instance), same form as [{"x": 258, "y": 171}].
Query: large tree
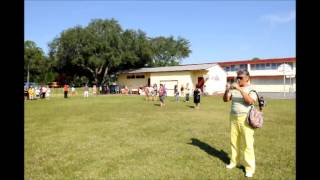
[
  {"x": 103, "y": 47},
  {"x": 168, "y": 51},
  {"x": 136, "y": 50},
  {"x": 95, "y": 48},
  {"x": 36, "y": 64}
]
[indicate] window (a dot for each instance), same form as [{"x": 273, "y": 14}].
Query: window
[
  {"x": 268, "y": 66},
  {"x": 257, "y": 66},
  {"x": 227, "y": 68},
  {"x": 233, "y": 68},
  {"x": 273, "y": 66},
  {"x": 130, "y": 76},
  {"x": 140, "y": 76},
  {"x": 253, "y": 66},
  {"x": 243, "y": 66},
  {"x": 278, "y": 64},
  {"x": 262, "y": 66}
]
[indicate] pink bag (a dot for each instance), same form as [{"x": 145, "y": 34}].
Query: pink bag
[{"x": 255, "y": 118}]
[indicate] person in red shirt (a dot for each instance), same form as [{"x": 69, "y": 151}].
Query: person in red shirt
[{"x": 65, "y": 90}]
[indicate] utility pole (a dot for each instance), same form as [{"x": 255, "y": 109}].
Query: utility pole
[
  {"x": 284, "y": 82},
  {"x": 28, "y": 77}
]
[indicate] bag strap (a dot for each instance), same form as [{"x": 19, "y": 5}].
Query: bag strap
[{"x": 257, "y": 99}]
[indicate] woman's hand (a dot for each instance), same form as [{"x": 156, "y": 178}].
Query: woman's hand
[
  {"x": 236, "y": 86},
  {"x": 228, "y": 86}
]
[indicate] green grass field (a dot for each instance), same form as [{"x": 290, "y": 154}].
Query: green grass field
[{"x": 125, "y": 137}]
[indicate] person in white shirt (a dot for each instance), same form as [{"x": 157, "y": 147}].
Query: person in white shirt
[
  {"x": 48, "y": 92},
  {"x": 73, "y": 91},
  {"x": 43, "y": 92},
  {"x": 86, "y": 91},
  {"x": 37, "y": 92}
]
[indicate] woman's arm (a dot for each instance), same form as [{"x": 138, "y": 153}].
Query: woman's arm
[
  {"x": 246, "y": 97},
  {"x": 227, "y": 96}
]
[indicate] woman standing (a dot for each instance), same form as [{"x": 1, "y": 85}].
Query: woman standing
[
  {"x": 48, "y": 92},
  {"x": 187, "y": 93},
  {"x": 162, "y": 94},
  {"x": 241, "y": 133},
  {"x": 73, "y": 90},
  {"x": 196, "y": 96},
  {"x": 65, "y": 90},
  {"x": 176, "y": 93},
  {"x": 182, "y": 91},
  {"x": 86, "y": 91},
  {"x": 94, "y": 90},
  {"x": 155, "y": 92}
]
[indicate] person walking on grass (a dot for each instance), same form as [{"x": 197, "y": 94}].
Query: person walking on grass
[
  {"x": 176, "y": 93},
  {"x": 26, "y": 94},
  {"x": 31, "y": 93},
  {"x": 86, "y": 91},
  {"x": 182, "y": 91},
  {"x": 187, "y": 93},
  {"x": 94, "y": 90},
  {"x": 48, "y": 92},
  {"x": 155, "y": 92},
  {"x": 100, "y": 89},
  {"x": 43, "y": 92},
  {"x": 241, "y": 132},
  {"x": 73, "y": 91},
  {"x": 65, "y": 90},
  {"x": 196, "y": 96},
  {"x": 147, "y": 93},
  {"x": 162, "y": 95}
]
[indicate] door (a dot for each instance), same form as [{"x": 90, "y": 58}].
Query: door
[
  {"x": 200, "y": 83},
  {"x": 169, "y": 84}
]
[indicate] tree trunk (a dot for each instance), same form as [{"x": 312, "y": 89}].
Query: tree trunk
[
  {"x": 96, "y": 80},
  {"x": 105, "y": 74},
  {"x": 91, "y": 70}
]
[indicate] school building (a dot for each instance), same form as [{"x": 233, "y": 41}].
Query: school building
[
  {"x": 210, "y": 77},
  {"x": 266, "y": 76}
]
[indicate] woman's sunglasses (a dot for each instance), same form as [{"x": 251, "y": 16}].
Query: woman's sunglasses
[{"x": 239, "y": 77}]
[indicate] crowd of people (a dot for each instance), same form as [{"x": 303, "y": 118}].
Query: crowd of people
[
  {"x": 152, "y": 93},
  {"x": 33, "y": 93}
]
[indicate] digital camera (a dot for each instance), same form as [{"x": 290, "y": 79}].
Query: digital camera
[{"x": 261, "y": 102}]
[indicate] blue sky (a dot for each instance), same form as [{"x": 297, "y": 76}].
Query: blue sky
[{"x": 217, "y": 30}]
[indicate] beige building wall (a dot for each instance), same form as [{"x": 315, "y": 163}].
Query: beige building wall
[
  {"x": 170, "y": 78},
  {"x": 133, "y": 83},
  {"x": 215, "y": 84},
  {"x": 274, "y": 85}
]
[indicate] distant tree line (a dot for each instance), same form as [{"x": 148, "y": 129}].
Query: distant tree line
[{"x": 95, "y": 53}]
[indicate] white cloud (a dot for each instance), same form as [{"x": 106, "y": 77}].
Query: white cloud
[{"x": 274, "y": 19}]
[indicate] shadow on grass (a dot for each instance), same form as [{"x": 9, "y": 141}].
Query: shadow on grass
[
  {"x": 223, "y": 156},
  {"x": 190, "y": 106},
  {"x": 156, "y": 104}
]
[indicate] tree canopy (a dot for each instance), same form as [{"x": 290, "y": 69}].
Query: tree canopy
[
  {"x": 103, "y": 48},
  {"x": 37, "y": 64}
]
